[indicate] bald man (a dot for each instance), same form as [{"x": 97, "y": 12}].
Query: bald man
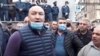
[
  {"x": 93, "y": 48},
  {"x": 33, "y": 39}
]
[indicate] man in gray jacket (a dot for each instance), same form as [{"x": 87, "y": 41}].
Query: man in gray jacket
[{"x": 93, "y": 48}]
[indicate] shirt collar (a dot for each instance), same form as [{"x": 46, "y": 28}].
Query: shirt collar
[{"x": 92, "y": 45}]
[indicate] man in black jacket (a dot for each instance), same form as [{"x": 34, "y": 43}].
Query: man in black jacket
[
  {"x": 3, "y": 10},
  {"x": 48, "y": 11},
  {"x": 65, "y": 10},
  {"x": 20, "y": 10},
  {"x": 83, "y": 32},
  {"x": 66, "y": 43},
  {"x": 55, "y": 11}
]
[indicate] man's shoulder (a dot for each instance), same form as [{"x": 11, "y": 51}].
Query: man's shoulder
[
  {"x": 63, "y": 6},
  {"x": 48, "y": 32},
  {"x": 89, "y": 32},
  {"x": 16, "y": 35},
  {"x": 77, "y": 32},
  {"x": 24, "y": 27},
  {"x": 88, "y": 46},
  {"x": 69, "y": 32}
]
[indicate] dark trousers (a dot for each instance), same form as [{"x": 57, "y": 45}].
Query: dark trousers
[
  {"x": 3, "y": 15},
  {"x": 65, "y": 16},
  {"x": 48, "y": 17},
  {"x": 11, "y": 17}
]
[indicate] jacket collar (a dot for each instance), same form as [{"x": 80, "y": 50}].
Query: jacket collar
[
  {"x": 65, "y": 32},
  {"x": 92, "y": 45}
]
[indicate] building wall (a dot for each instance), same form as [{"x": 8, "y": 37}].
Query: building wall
[{"x": 92, "y": 9}]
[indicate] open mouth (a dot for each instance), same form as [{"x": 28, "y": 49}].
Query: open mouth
[{"x": 37, "y": 21}]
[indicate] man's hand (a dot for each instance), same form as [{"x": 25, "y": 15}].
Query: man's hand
[
  {"x": 66, "y": 13},
  {"x": 20, "y": 9},
  {"x": 1, "y": 5}
]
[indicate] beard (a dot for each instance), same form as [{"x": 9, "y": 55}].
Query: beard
[{"x": 82, "y": 30}]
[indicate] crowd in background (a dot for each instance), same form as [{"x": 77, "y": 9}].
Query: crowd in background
[
  {"x": 19, "y": 10},
  {"x": 83, "y": 29}
]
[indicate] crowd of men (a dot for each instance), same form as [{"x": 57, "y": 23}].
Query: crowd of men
[
  {"x": 44, "y": 34},
  {"x": 18, "y": 11},
  {"x": 55, "y": 38}
]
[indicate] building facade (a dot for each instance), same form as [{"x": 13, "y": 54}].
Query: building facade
[{"x": 90, "y": 10}]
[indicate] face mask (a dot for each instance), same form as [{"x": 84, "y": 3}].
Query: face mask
[
  {"x": 47, "y": 27},
  {"x": 62, "y": 27},
  {"x": 36, "y": 25}
]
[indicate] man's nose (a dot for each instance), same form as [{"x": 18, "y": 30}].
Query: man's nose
[
  {"x": 37, "y": 16},
  {"x": 94, "y": 35}
]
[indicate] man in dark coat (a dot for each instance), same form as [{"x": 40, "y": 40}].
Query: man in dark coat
[
  {"x": 20, "y": 10},
  {"x": 3, "y": 10},
  {"x": 55, "y": 11},
  {"x": 83, "y": 32},
  {"x": 65, "y": 10},
  {"x": 11, "y": 13},
  {"x": 27, "y": 7},
  {"x": 66, "y": 42},
  {"x": 48, "y": 11}
]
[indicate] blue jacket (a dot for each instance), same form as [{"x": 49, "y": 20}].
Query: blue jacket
[
  {"x": 65, "y": 9},
  {"x": 4, "y": 2},
  {"x": 27, "y": 7},
  {"x": 47, "y": 9},
  {"x": 20, "y": 5},
  {"x": 55, "y": 10}
]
